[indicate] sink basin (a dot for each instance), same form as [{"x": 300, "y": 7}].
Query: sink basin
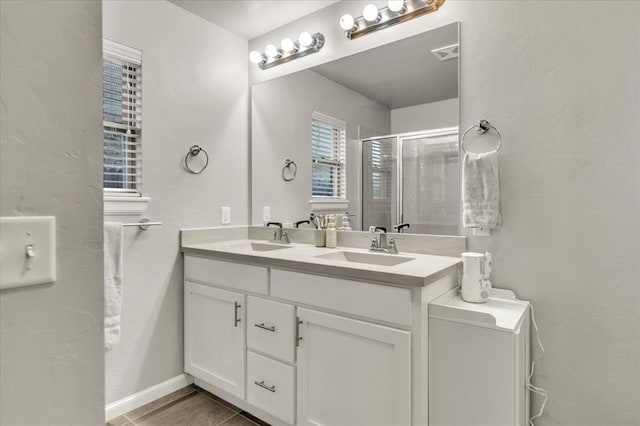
[
  {"x": 368, "y": 258},
  {"x": 260, "y": 246}
]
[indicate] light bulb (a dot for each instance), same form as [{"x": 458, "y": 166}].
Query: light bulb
[
  {"x": 370, "y": 12},
  {"x": 346, "y": 22},
  {"x": 287, "y": 45},
  {"x": 271, "y": 51},
  {"x": 256, "y": 57},
  {"x": 395, "y": 5},
  {"x": 305, "y": 39}
]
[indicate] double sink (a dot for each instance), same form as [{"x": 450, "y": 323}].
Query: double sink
[{"x": 340, "y": 256}]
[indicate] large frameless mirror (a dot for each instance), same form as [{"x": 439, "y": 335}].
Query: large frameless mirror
[{"x": 374, "y": 136}]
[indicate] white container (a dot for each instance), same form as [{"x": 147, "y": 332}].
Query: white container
[
  {"x": 478, "y": 361},
  {"x": 476, "y": 268},
  {"x": 320, "y": 237},
  {"x": 332, "y": 233}
]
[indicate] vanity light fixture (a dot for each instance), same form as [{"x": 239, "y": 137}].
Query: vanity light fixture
[
  {"x": 256, "y": 57},
  {"x": 288, "y": 45},
  {"x": 370, "y": 13},
  {"x": 272, "y": 51},
  {"x": 397, "y": 11},
  {"x": 288, "y": 51}
]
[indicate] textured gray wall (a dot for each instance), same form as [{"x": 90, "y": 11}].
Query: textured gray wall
[
  {"x": 51, "y": 341},
  {"x": 560, "y": 79},
  {"x": 194, "y": 92}
]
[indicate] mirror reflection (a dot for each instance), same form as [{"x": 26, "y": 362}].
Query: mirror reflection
[{"x": 374, "y": 138}]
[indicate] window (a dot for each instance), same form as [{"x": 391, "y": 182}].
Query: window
[
  {"x": 328, "y": 139},
  {"x": 381, "y": 169},
  {"x": 122, "y": 119}
]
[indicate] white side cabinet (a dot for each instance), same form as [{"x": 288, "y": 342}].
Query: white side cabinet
[
  {"x": 352, "y": 372},
  {"x": 215, "y": 336}
]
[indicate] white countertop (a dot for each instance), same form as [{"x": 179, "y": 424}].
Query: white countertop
[
  {"x": 421, "y": 270},
  {"x": 499, "y": 312}
]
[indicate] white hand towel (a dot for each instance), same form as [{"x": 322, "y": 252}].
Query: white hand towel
[
  {"x": 113, "y": 247},
  {"x": 480, "y": 190}
]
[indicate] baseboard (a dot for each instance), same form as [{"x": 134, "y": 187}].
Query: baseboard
[{"x": 145, "y": 396}]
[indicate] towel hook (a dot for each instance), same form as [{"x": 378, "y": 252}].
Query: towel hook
[
  {"x": 482, "y": 127},
  {"x": 292, "y": 173},
  {"x": 194, "y": 151}
]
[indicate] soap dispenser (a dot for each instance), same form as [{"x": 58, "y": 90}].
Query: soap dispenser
[
  {"x": 346, "y": 225},
  {"x": 332, "y": 233}
]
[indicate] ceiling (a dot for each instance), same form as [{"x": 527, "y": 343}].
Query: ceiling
[
  {"x": 400, "y": 74},
  {"x": 252, "y": 18}
]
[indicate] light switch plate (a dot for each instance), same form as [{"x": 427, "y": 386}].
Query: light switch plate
[
  {"x": 225, "y": 215},
  {"x": 27, "y": 251},
  {"x": 266, "y": 214}
]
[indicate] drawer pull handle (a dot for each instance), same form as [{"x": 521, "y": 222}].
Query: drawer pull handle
[
  {"x": 271, "y": 328},
  {"x": 271, "y": 388},
  {"x": 236, "y": 307}
]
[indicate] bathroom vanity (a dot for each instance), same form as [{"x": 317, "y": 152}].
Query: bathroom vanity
[{"x": 296, "y": 334}]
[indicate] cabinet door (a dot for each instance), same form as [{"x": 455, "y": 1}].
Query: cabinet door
[
  {"x": 352, "y": 372},
  {"x": 215, "y": 336}
]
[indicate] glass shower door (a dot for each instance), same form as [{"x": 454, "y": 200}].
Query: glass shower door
[
  {"x": 430, "y": 198},
  {"x": 379, "y": 182}
]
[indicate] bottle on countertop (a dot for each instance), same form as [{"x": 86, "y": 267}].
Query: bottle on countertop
[
  {"x": 332, "y": 233},
  {"x": 346, "y": 225}
]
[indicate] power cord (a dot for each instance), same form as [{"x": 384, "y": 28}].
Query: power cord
[
  {"x": 534, "y": 389},
  {"x": 509, "y": 295}
]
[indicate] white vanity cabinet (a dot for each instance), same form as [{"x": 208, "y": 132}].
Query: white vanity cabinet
[
  {"x": 352, "y": 372},
  {"x": 215, "y": 336},
  {"x": 319, "y": 350}
]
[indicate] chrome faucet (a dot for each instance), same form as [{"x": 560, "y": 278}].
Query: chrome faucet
[
  {"x": 278, "y": 234},
  {"x": 379, "y": 241}
]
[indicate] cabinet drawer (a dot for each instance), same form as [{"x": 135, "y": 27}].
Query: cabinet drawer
[
  {"x": 270, "y": 328},
  {"x": 270, "y": 386},
  {"x": 384, "y": 303},
  {"x": 226, "y": 274}
]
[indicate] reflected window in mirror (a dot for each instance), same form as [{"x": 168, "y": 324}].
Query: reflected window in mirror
[
  {"x": 381, "y": 166},
  {"x": 328, "y": 147}
]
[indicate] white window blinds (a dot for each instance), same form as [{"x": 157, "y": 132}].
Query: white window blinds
[
  {"x": 328, "y": 139},
  {"x": 381, "y": 169},
  {"x": 122, "y": 118}
]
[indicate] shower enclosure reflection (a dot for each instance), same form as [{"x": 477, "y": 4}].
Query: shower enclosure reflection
[{"x": 412, "y": 179}]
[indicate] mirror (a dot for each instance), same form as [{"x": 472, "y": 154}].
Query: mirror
[{"x": 374, "y": 134}]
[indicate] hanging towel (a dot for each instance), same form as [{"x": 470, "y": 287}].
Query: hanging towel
[
  {"x": 113, "y": 246},
  {"x": 480, "y": 190}
]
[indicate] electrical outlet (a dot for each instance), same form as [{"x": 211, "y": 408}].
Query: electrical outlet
[
  {"x": 225, "y": 215},
  {"x": 266, "y": 214}
]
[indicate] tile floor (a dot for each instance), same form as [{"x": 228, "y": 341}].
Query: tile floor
[{"x": 190, "y": 406}]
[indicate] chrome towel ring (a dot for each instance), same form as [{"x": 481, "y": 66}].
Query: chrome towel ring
[
  {"x": 194, "y": 151},
  {"x": 482, "y": 127},
  {"x": 291, "y": 167}
]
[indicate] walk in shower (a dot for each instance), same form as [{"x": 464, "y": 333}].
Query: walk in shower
[{"x": 412, "y": 178}]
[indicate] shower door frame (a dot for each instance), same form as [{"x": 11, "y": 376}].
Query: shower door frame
[{"x": 399, "y": 137}]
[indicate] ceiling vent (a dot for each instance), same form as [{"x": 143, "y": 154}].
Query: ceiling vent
[{"x": 446, "y": 53}]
